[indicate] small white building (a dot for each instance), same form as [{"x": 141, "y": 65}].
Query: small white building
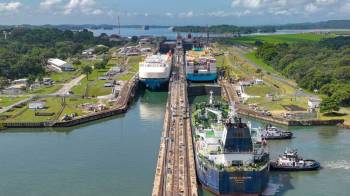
[
  {"x": 59, "y": 65},
  {"x": 38, "y": 105},
  {"x": 259, "y": 81},
  {"x": 20, "y": 81},
  {"x": 313, "y": 103}
]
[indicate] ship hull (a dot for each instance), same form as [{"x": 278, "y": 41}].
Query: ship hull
[
  {"x": 237, "y": 183},
  {"x": 201, "y": 77},
  {"x": 155, "y": 84}
]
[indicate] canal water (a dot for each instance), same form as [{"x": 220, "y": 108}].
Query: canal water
[
  {"x": 111, "y": 157},
  {"x": 128, "y": 32},
  {"x": 117, "y": 156}
]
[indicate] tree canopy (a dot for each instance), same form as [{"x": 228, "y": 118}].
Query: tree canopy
[
  {"x": 323, "y": 66},
  {"x": 26, "y": 50}
]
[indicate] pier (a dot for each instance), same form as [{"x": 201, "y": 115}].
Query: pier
[{"x": 175, "y": 172}]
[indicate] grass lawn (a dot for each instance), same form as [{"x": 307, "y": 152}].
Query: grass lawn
[
  {"x": 96, "y": 88},
  {"x": 251, "y": 56},
  {"x": 53, "y": 105},
  {"x": 343, "y": 113},
  {"x": 285, "y": 38},
  {"x": 93, "y": 85},
  {"x": 63, "y": 77},
  {"x": 47, "y": 89},
  {"x": 72, "y": 106},
  {"x": 132, "y": 69},
  {"x": 259, "y": 90},
  {"x": 81, "y": 87},
  {"x": 9, "y": 100},
  {"x": 231, "y": 64},
  {"x": 277, "y": 106}
]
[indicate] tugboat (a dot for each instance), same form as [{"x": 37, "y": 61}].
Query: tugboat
[
  {"x": 291, "y": 161},
  {"x": 273, "y": 133}
]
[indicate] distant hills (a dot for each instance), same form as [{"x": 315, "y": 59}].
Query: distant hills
[{"x": 330, "y": 24}]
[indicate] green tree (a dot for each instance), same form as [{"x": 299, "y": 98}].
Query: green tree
[
  {"x": 31, "y": 80},
  {"x": 329, "y": 104},
  {"x": 3, "y": 82},
  {"x": 76, "y": 62},
  {"x": 101, "y": 49},
  {"x": 87, "y": 70},
  {"x": 100, "y": 65}
]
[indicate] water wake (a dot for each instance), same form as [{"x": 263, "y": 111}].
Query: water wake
[
  {"x": 339, "y": 164},
  {"x": 272, "y": 189}
]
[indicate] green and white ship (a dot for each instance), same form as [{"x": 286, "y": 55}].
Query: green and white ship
[{"x": 231, "y": 158}]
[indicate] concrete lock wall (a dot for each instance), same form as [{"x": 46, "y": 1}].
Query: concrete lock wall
[{"x": 203, "y": 89}]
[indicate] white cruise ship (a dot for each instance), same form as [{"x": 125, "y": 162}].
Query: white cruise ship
[{"x": 154, "y": 71}]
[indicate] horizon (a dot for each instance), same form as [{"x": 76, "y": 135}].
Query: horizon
[
  {"x": 179, "y": 13},
  {"x": 168, "y": 25}
]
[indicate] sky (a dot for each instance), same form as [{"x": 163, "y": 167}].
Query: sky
[{"x": 171, "y": 12}]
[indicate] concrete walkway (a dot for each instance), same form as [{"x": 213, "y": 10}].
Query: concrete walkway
[
  {"x": 68, "y": 86},
  {"x": 5, "y": 109}
]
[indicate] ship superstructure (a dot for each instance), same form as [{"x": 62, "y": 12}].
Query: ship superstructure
[
  {"x": 200, "y": 65},
  {"x": 154, "y": 71},
  {"x": 230, "y": 156}
]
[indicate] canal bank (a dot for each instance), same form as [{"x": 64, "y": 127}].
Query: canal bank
[{"x": 113, "y": 156}]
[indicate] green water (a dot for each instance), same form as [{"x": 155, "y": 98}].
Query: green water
[
  {"x": 117, "y": 156},
  {"x": 112, "y": 157}
]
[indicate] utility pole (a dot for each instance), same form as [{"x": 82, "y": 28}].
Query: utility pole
[{"x": 118, "y": 25}]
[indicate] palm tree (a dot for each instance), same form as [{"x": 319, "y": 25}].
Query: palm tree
[{"x": 87, "y": 70}]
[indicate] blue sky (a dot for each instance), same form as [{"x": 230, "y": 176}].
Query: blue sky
[{"x": 171, "y": 12}]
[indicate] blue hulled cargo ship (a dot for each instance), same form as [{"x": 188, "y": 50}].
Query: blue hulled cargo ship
[
  {"x": 200, "y": 65},
  {"x": 230, "y": 156}
]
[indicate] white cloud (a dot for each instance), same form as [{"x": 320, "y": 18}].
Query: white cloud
[
  {"x": 252, "y": 3},
  {"x": 189, "y": 14},
  {"x": 84, "y": 6},
  {"x": 235, "y": 3},
  {"x": 169, "y": 14},
  {"x": 48, "y": 4},
  {"x": 97, "y": 12},
  {"x": 10, "y": 7},
  {"x": 325, "y": 2},
  {"x": 311, "y": 8},
  {"x": 345, "y": 8},
  {"x": 227, "y": 14}
]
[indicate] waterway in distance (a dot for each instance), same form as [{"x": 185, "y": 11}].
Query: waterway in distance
[
  {"x": 128, "y": 32},
  {"x": 117, "y": 156}
]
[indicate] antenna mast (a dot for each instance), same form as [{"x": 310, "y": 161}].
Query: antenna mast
[{"x": 118, "y": 25}]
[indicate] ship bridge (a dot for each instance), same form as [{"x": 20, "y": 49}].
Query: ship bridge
[{"x": 237, "y": 137}]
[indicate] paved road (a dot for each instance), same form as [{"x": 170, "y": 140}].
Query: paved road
[{"x": 68, "y": 86}]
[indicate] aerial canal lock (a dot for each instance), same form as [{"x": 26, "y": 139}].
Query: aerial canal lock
[{"x": 175, "y": 172}]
